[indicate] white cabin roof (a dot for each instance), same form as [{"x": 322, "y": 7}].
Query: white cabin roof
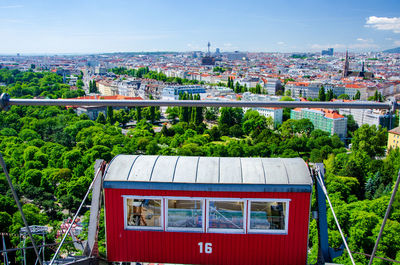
[{"x": 208, "y": 170}]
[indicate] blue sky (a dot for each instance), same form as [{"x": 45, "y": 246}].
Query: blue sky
[{"x": 94, "y": 26}]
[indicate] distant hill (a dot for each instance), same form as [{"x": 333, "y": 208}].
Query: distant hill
[{"x": 394, "y": 50}]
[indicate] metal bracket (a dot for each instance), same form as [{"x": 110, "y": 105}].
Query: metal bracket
[{"x": 4, "y": 101}]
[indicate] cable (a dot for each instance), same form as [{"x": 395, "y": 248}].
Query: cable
[
  {"x": 368, "y": 255},
  {"x": 385, "y": 218},
  {"x": 45, "y": 245},
  {"x": 321, "y": 183},
  {"x": 76, "y": 215},
  {"x": 3, "y": 165}
]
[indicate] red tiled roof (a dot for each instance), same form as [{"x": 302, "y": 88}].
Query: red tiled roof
[
  {"x": 354, "y": 86},
  {"x": 395, "y": 130},
  {"x": 333, "y": 115}
]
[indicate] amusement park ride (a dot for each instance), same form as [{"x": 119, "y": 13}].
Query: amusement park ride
[{"x": 202, "y": 210}]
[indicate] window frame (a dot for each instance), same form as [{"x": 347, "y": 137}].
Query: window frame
[
  {"x": 226, "y": 230},
  {"x": 152, "y": 228},
  {"x": 186, "y": 229},
  {"x": 206, "y": 215},
  {"x": 268, "y": 231}
]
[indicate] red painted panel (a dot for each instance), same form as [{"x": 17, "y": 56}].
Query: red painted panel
[{"x": 182, "y": 247}]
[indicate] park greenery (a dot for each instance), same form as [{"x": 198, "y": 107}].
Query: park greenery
[
  {"x": 144, "y": 72},
  {"x": 50, "y": 153}
]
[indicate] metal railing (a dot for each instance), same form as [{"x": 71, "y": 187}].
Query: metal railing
[{"x": 6, "y": 101}]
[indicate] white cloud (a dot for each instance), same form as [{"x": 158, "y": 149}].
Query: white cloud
[
  {"x": 280, "y": 43},
  {"x": 397, "y": 42},
  {"x": 364, "y": 40},
  {"x": 364, "y": 45},
  {"x": 360, "y": 45},
  {"x": 384, "y": 23},
  {"x": 14, "y": 6},
  {"x": 326, "y": 46}
]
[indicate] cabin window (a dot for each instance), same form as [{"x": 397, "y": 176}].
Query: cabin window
[
  {"x": 143, "y": 213},
  {"x": 268, "y": 216},
  {"x": 226, "y": 215},
  {"x": 185, "y": 214}
]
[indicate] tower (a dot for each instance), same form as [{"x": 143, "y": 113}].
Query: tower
[
  {"x": 346, "y": 65},
  {"x": 362, "y": 73},
  {"x": 208, "y": 49}
]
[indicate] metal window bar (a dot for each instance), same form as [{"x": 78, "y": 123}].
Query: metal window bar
[{"x": 214, "y": 209}]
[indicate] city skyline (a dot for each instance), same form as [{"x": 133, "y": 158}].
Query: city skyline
[{"x": 48, "y": 27}]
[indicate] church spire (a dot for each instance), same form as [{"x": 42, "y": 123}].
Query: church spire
[{"x": 346, "y": 65}]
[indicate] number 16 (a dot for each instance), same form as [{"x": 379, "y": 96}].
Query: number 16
[{"x": 207, "y": 247}]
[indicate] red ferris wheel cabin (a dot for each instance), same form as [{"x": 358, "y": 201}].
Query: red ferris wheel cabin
[{"x": 207, "y": 210}]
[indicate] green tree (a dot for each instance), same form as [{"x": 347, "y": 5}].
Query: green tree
[
  {"x": 199, "y": 116},
  {"x": 370, "y": 139},
  {"x": 28, "y": 135},
  {"x": 344, "y": 96},
  {"x": 351, "y": 124},
  {"x": 253, "y": 121},
  {"x": 5, "y": 221},
  {"x": 238, "y": 88},
  {"x": 152, "y": 110},
  {"x": 286, "y": 98},
  {"x": 172, "y": 113},
  {"x": 329, "y": 95},
  {"x": 258, "y": 88},
  {"x": 184, "y": 113},
  {"x": 376, "y": 95},
  {"x": 138, "y": 114},
  {"x": 110, "y": 115},
  {"x": 321, "y": 94},
  {"x": 101, "y": 118},
  {"x": 211, "y": 114},
  {"x": 357, "y": 95},
  {"x": 230, "y": 116}
]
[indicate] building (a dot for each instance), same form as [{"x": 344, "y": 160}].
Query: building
[
  {"x": 236, "y": 56},
  {"x": 208, "y": 59},
  {"x": 249, "y": 81},
  {"x": 311, "y": 89},
  {"x": 100, "y": 70},
  {"x": 326, "y": 120},
  {"x": 349, "y": 73},
  {"x": 394, "y": 138},
  {"x": 107, "y": 88},
  {"x": 371, "y": 117},
  {"x": 329, "y": 52},
  {"x": 275, "y": 113},
  {"x": 272, "y": 85},
  {"x": 94, "y": 111},
  {"x": 215, "y": 210},
  {"x": 303, "y": 89},
  {"x": 172, "y": 92}
]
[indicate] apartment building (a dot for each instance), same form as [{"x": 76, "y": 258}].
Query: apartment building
[
  {"x": 326, "y": 120},
  {"x": 393, "y": 138},
  {"x": 371, "y": 117}
]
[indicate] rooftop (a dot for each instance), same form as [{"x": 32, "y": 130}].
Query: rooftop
[
  {"x": 208, "y": 170},
  {"x": 395, "y": 130}
]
